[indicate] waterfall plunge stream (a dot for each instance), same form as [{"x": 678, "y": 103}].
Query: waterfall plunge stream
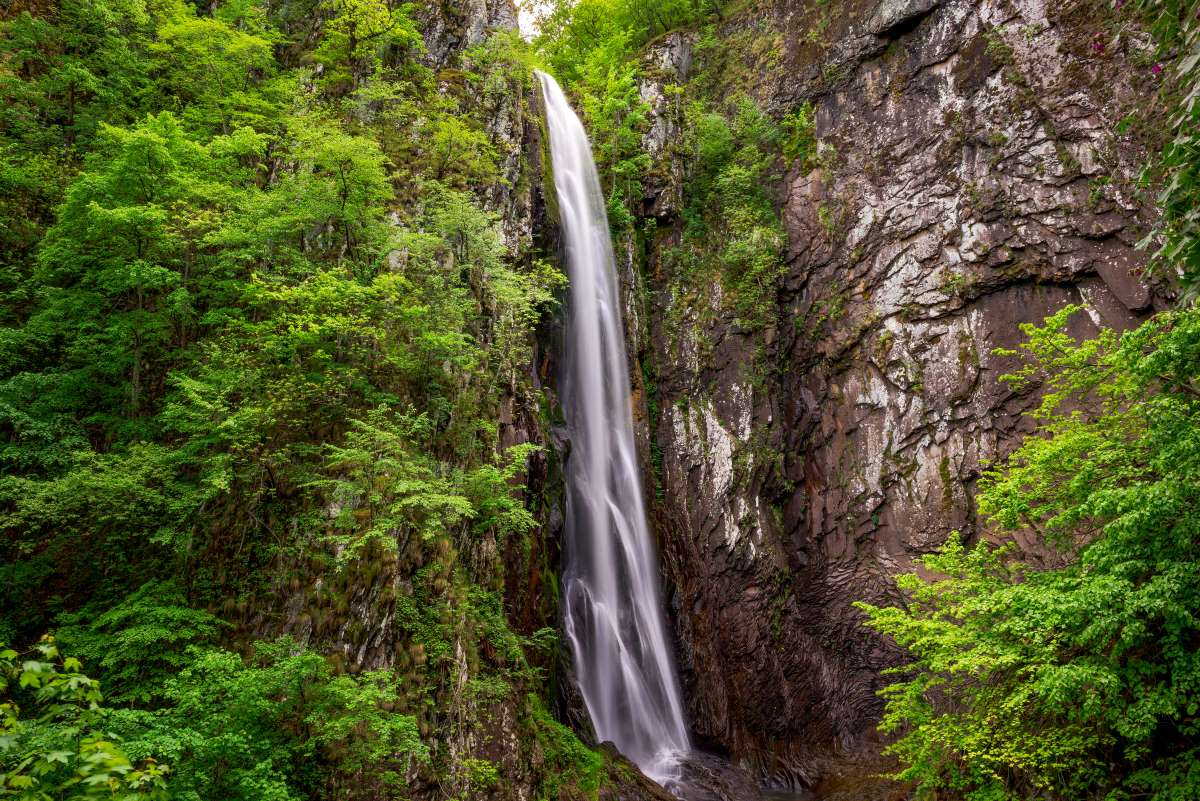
[{"x": 612, "y": 604}]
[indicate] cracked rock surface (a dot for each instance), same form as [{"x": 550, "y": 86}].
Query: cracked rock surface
[{"x": 971, "y": 179}]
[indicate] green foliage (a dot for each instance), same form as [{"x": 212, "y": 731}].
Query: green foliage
[
  {"x": 799, "y": 137},
  {"x": 588, "y": 36},
  {"x": 280, "y": 726},
  {"x": 115, "y": 282},
  {"x": 732, "y": 229},
  {"x": 257, "y": 329},
  {"x": 66, "y": 71},
  {"x": 283, "y": 725},
  {"x": 222, "y": 285},
  {"x": 1083, "y": 681},
  {"x": 385, "y": 478},
  {"x": 1179, "y": 197},
  {"x": 211, "y": 71},
  {"x": 116, "y": 504},
  {"x": 141, "y": 641},
  {"x": 358, "y": 34},
  {"x": 61, "y": 751},
  {"x": 574, "y": 763},
  {"x": 616, "y": 117},
  {"x": 481, "y": 774}
]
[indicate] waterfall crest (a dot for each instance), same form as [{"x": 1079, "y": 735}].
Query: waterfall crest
[{"x": 611, "y": 599}]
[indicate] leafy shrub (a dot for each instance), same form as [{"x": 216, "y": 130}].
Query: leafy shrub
[
  {"x": 281, "y": 725},
  {"x": 1080, "y": 682},
  {"x": 1180, "y": 195},
  {"x": 141, "y": 641},
  {"x": 799, "y": 136},
  {"x": 732, "y": 229},
  {"x": 62, "y": 751}
]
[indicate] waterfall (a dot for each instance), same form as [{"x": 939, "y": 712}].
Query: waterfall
[{"x": 611, "y": 600}]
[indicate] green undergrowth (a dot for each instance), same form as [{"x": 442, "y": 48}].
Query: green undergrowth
[
  {"x": 576, "y": 767},
  {"x": 1176, "y": 240},
  {"x": 259, "y": 324},
  {"x": 731, "y": 230}
]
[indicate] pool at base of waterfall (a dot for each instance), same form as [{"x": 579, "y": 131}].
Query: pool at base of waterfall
[{"x": 701, "y": 776}]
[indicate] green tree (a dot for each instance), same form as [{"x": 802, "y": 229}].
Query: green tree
[
  {"x": 216, "y": 77},
  {"x": 358, "y": 36},
  {"x": 279, "y": 726},
  {"x": 65, "y": 72},
  {"x": 140, "y": 642},
  {"x": 1080, "y": 682},
  {"x": 63, "y": 752},
  {"x": 119, "y": 273}
]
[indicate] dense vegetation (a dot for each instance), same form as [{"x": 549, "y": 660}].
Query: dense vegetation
[
  {"x": 1081, "y": 682},
  {"x": 258, "y": 324},
  {"x": 728, "y": 147}
]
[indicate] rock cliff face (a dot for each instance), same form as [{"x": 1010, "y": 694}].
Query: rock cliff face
[
  {"x": 451, "y": 26},
  {"x": 971, "y": 179}
]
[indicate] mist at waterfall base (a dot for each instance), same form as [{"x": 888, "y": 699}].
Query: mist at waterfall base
[{"x": 611, "y": 600}]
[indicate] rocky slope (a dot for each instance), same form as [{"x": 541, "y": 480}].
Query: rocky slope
[{"x": 969, "y": 179}]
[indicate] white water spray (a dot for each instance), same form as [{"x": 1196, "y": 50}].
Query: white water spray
[{"x": 612, "y": 603}]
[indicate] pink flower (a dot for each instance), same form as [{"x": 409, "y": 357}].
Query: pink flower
[
  {"x": 1156, "y": 69},
  {"x": 1098, "y": 43}
]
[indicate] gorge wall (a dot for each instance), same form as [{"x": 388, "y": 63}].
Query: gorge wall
[{"x": 970, "y": 177}]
